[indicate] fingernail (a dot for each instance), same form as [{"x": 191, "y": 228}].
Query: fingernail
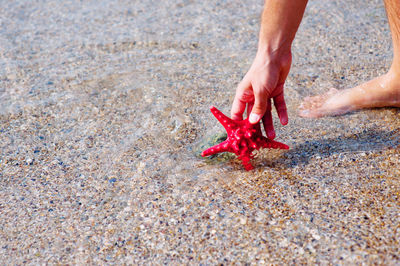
[
  {"x": 284, "y": 121},
  {"x": 254, "y": 118}
]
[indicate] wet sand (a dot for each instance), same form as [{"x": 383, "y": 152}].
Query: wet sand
[{"x": 104, "y": 103}]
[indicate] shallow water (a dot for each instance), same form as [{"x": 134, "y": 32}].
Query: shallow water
[{"x": 103, "y": 104}]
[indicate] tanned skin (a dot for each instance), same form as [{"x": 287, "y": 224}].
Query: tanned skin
[
  {"x": 382, "y": 91},
  {"x": 266, "y": 77}
]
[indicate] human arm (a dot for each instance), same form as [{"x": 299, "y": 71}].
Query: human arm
[{"x": 266, "y": 77}]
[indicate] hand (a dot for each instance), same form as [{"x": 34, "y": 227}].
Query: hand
[{"x": 264, "y": 81}]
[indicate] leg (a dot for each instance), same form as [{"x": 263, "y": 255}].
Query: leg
[{"x": 383, "y": 91}]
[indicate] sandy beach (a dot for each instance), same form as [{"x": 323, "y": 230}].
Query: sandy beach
[{"x": 103, "y": 107}]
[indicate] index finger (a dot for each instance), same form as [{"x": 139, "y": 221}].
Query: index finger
[{"x": 240, "y": 101}]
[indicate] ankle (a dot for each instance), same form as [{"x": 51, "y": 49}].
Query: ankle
[
  {"x": 392, "y": 77},
  {"x": 395, "y": 67}
]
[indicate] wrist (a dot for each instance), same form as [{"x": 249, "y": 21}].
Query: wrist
[
  {"x": 274, "y": 53},
  {"x": 274, "y": 45}
]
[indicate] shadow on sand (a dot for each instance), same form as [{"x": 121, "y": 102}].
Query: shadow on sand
[{"x": 365, "y": 141}]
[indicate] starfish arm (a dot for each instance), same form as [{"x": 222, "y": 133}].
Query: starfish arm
[
  {"x": 226, "y": 122},
  {"x": 222, "y": 147},
  {"x": 272, "y": 144},
  {"x": 243, "y": 139},
  {"x": 246, "y": 156},
  {"x": 247, "y": 166},
  {"x": 257, "y": 127}
]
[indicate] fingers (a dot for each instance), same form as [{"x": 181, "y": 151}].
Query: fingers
[
  {"x": 260, "y": 106},
  {"x": 242, "y": 97},
  {"x": 249, "y": 108},
  {"x": 280, "y": 106},
  {"x": 238, "y": 108},
  {"x": 267, "y": 121},
  {"x": 279, "y": 100}
]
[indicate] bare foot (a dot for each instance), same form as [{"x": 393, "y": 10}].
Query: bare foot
[{"x": 383, "y": 91}]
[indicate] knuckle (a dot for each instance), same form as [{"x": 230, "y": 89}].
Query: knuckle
[
  {"x": 257, "y": 108},
  {"x": 261, "y": 94}
]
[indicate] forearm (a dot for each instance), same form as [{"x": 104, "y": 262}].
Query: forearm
[
  {"x": 266, "y": 77},
  {"x": 279, "y": 23}
]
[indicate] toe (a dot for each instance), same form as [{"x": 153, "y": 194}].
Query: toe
[
  {"x": 332, "y": 91},
  {"x": 310, "y": 113}
]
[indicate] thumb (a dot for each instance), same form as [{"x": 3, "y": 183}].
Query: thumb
[{"x": 259, "y": 108}]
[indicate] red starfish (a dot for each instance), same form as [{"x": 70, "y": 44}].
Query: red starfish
[{"x": 243, "y": 139}]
